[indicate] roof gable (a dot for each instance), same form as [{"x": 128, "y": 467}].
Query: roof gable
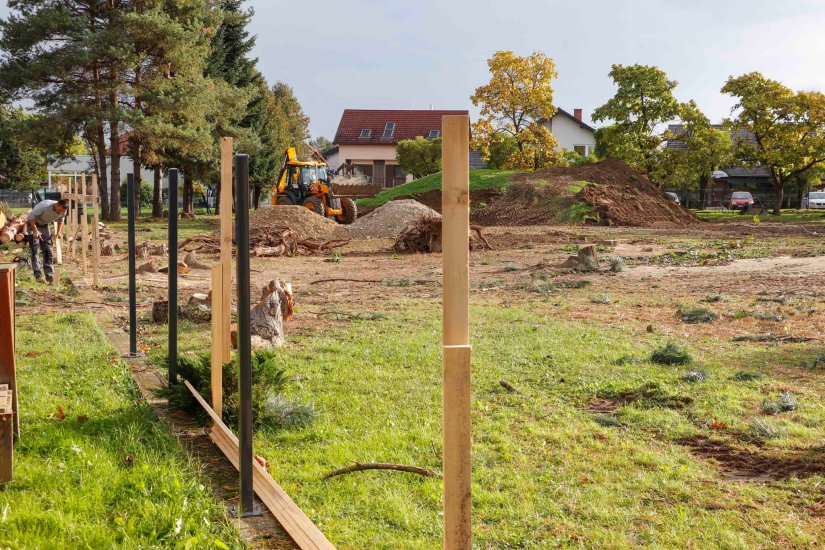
[{"x": 408, "y": 125}]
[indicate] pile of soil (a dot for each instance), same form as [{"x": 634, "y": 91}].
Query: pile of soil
[
  {"x": 388, "y": 220},
  {"x": 306, "y": 223},
  {"x": 607, "y": 193}
]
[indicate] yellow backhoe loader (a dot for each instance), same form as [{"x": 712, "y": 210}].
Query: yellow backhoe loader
[{"x": 307, "y": 183}]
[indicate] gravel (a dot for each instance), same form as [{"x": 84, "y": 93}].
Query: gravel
[{"x": 388, "y": 220}]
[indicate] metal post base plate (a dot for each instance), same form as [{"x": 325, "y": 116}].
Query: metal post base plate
[
  {"x": 132, "y": 355},
  {"x": 254, "y": 512}
]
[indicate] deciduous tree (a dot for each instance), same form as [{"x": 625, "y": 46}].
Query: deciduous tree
[
  {"x": 518, "y": 98},
  {"x": 419, "y": 157},
  {"x": 786, "y": 128},
  {"x": 642, "y": 104},
  {"x": 22, "y": 164}
]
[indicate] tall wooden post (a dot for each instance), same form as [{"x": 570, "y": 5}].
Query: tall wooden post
[
  {"x": 95, "y": 234},
  {"x": 70, "y": 217},
  {"x": 8, "y": 318},
  {"x": 217, "y": 339},
  {"x": 226, "y": 246},
  {"x": 84, "y": 227},
  {"x": 455, "y": 204}
]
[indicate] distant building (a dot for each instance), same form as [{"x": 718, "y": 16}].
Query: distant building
[
  {"x": 572, "y": 133},
  {"x": 366, "y": 140},
  {"x": 757, "y": 179}
]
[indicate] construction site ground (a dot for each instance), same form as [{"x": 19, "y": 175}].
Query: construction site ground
[{"x": 578, "y": 437}]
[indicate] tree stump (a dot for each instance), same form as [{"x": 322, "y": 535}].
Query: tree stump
[{"x": 268, "y": 315}]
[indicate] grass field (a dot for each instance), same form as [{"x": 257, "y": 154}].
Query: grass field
[
  {"x": 93, "y": 467},
  {"x": 788, "y": 215},
  {"x": 479, "y": 179},
  {"x": 548, "y": 470}
]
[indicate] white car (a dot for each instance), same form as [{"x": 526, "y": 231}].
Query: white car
[
  {"x": 814, "y": 199},
  {"x": 673, "y": 196}
]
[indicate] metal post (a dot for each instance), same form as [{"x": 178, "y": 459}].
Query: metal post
[
  {"x": 247, "y": 503},
  {"x": 130, "y": 184},
  {"x": 172, "y": 359}
]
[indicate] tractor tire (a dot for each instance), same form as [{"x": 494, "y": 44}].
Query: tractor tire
[
  {"x": 284, "y": 200},
  {"x": 348, "y": 211},
  {"x": 315, "y": 204}
]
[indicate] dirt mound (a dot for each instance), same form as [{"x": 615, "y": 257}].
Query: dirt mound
[
  {"x": 388, "y": 220},
  {"x": 607, "y": 193},
  {"x": 301, "y": 220}
]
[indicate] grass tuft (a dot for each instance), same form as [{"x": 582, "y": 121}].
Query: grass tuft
[
  {"x": 784, "y": 403},
  {"x": 697, "y": 315},
  {"x": 671, "y": 354}
]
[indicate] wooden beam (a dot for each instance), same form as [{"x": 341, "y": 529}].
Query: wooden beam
[
  {"x": 95, "y": 234},
  {"x": 8, "y": 315},
  {"x": 58, "y": 244},
  {"x": 217, "y": 339},
  {"x": 305, "y": 533},
  {"x": 70, "y": 218},
  {"x": 84, "y": 227},
  {"x": 457, "y": 425},
  {"x": 226, "y": 246}
]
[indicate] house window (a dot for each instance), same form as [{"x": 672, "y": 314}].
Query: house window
[
  {"x": 366, "y": 133},
  {"x": 434, "y": 134},
  {"x": 581, "y": 149},
  {"x": 389, "y": 128}
]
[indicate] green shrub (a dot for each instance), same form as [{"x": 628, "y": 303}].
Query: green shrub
[
  {"x": 748, "y": 376},
  {"x": 671, "y": 354},
  {"x": 784, "y": 403},
  {"x": 270, "y": 408},
  {"x": 617, "y": 264}
]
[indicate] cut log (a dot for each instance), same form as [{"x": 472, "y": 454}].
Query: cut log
[
  {"x": 268, "y": 315},
  {"x": 192, "y": 261},
  {"x": 183, "y": 269},
  {"x": 148, "y": 267},
  {"x": 109, "y": 248},
  {"x": 15, "y": 226}
]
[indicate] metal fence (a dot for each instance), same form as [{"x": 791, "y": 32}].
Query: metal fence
[{"x": 16, "y": 198}]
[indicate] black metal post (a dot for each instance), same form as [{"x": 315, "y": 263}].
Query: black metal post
[
  {"x": 130, "y": 206},
  {"x": 247, "y": 504},
  {"x": 172, "y": 357}
]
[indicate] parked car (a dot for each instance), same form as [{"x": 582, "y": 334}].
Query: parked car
[
  {"x": 674, "y": 197},
  {"x": 739, "y": 200},
  {"x": 814, "y": 199}
]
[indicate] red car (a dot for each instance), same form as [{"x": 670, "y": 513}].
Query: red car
[{"x": 739, "y": 200}]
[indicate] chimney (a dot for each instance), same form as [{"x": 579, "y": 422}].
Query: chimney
[{"x": 578, "y": 114}]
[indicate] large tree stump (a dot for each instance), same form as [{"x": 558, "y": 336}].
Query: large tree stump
[{"x": 268, "y": 315}]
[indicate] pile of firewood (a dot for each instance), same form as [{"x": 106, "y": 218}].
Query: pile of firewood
[
  {"x": 424, "y": 235},
  {"x": 13, "y": 230},
  {"x": 266, "y": 242}
]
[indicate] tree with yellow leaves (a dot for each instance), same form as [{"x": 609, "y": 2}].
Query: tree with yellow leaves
[{"x": 514, "y": 103}]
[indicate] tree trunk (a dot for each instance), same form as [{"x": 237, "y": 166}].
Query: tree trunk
[
  {"x": 188, "y": 194},
  {"x": 136, "y": 165},
  {"x": 114, "y": 145},
  {"x": 256, "y": 195},
  {"x": 102, "y": 179},
  {"x": 779, "y": 186},
  {"x": 703, "y": 192},
  {"x": 157, "y": 195}
]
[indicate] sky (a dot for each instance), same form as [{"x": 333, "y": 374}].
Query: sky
[{"x": 400, "y": 54}]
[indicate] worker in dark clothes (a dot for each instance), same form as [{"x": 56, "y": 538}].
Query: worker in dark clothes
[{"x": 40, "y": 221}]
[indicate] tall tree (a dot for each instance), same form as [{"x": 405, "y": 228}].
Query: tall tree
[
  {"x": 705, "y": 150},
  {"x": 518, "y": 98},
  {"x": 786, "y": 128},
  {"x": 419, "y": 157},
  {"x": 63, "y": 57},
  {"x": 643, "y": 102},
  {"x": 22, "y": 164}
]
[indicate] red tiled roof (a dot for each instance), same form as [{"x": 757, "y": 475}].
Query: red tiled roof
[{"x": 408, "y": 125}]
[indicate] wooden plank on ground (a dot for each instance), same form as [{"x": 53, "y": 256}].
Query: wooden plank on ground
[{"x": 305, "y": 533}]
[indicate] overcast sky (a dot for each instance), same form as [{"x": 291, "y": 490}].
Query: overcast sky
[{"x": 400, "y": 54}]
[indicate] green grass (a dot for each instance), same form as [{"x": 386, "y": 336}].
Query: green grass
[
  {"x": 108, "y": 475},
  {"x": 787, "y": 216},
  {"x": 546, "y": 472},
  {"x": 479, "y": 179}
]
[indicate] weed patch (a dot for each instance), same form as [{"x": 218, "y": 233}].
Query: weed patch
[{"x": 671, "y": 354}]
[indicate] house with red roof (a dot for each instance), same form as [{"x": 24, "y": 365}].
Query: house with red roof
[{"x": 366, "y": 140}]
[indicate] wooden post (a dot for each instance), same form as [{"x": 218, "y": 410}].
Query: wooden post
[
  {"x": 226, "y": 247},
  {"x": 84, "y": 228},
  {"x": 95, "y": 234},
  {"x": 58, "y": 246},
  {"x": 455, "y": 205},
  {"x": 70, "y": 216},
  {"x": 217, "y": 340},
  {"x": 8, "y": 372}
]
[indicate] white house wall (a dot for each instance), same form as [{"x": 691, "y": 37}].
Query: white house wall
[{"x": 569, "y": 133}]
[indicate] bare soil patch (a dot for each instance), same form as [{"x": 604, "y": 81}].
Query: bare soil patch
[
  {"x": 599, "y": 405},
  {"x": 740, "y": 464}
]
